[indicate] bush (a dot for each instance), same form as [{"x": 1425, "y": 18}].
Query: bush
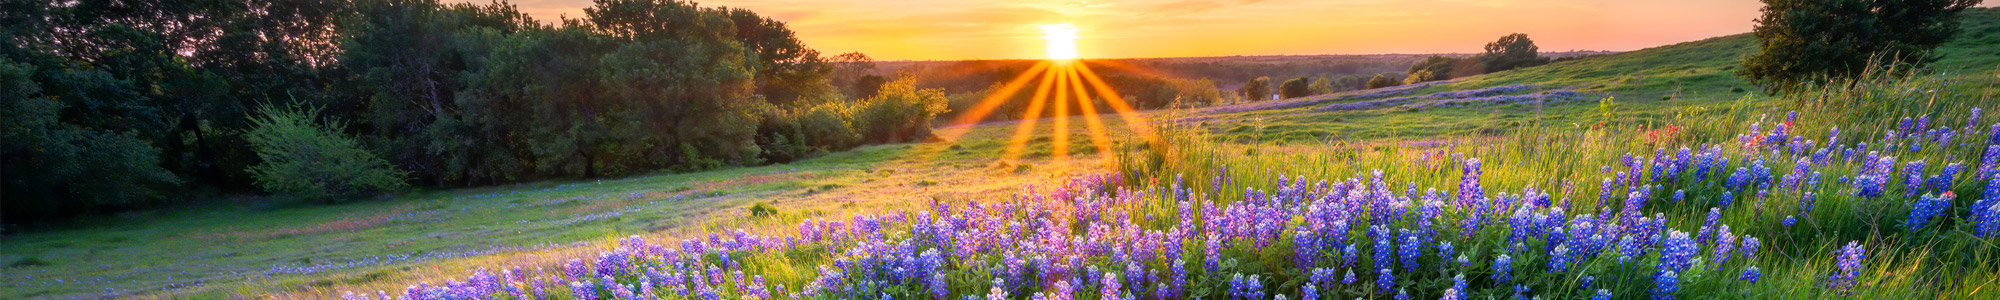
[
  {"x": 898, "y": 113},
  {"x": 1381, "y": 81},
  {"x": 1431, "y": 69},
  {"x": 763, "y": 209},
  {"x": 1297, "y": 87},
  {"x": 310, "y": 160},
  {"x": 1258, "y": 89}
]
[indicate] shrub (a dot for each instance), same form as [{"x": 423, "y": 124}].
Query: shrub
[
  {"x": 898, "y": 113},
  {"x": 1297, "y": 87},
  {"x": 311, "y": 160},
  {"x": 1258, "y": 89},
  {"x": 763, "y": 209},
  {"x": 1431, "y": 69},
  {"x": 1381, "y": 81}
]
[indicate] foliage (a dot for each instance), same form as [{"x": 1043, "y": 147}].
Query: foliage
[
  {"x": 1322, "y": 86},
  {"x": 900, "y": 113},
  {"x": 1510, "y": 52},
  {"x": 1257, "y": 89},
  {"x": 763, "y": 210},
  {"x": 1294, "y": 88},
  {"x": 306, "y": 158},
  {"x": 1807, "y": 40},
  {"x": 1432, "y": 68},
  {"x": 1381, "y": 81},
  {"x": 57, "y": 166}
]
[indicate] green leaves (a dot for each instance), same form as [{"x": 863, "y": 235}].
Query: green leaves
[
  {"x": 309, "y": 159},
  {"x": 1809, "y": 41}
]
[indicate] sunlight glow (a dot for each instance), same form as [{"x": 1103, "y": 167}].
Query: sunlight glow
[{"x": 1061, "y": 39}]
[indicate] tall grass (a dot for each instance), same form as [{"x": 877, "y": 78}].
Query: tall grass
[{"x": 1569, "y": 161}]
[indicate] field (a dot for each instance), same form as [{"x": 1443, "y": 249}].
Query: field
[{"x": 1634, "y": 175}]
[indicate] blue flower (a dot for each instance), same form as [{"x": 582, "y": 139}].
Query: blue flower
[
  {"x": 1849, "y": 263},
  {"x": 1750, "y": 275}
]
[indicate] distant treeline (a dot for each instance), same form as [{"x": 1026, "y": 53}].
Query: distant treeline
[{"x": 117, "y": 104}]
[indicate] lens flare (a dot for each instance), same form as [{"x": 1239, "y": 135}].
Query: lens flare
[{"x": 1062, "y": 41}]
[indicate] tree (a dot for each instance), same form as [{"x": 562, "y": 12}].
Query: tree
[
  {"x": 868, "y": 85},
  {"x": 1297, "y": 87},
  {"x": 1322, "y": 86},
  {"x": 313, "y": 160},
  {"x": 1432, "y": 68},
  {"x": 849, "y": 72},
  {"x": 1510, "y": 52},
  {"x": 1381, "y": 81},
  {"x": 51, "y": 168},
  {"x": 1807, "y": 40},
  {"x": 787, "y": 72},
  {"x": 1258, "y": 89}
]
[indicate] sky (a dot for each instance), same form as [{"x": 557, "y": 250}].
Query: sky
[{"x": 1010, "y": 29}]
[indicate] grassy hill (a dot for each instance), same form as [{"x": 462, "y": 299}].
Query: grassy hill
[
  {"x": 253, "y": 249},
  {"x": 1646, "y": 86}
]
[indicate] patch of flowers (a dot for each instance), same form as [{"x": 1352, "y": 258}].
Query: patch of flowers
[{"x": 1658, "y": 226}]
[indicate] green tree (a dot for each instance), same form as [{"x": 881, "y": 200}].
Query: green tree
[
  {"x": 308, "y": 159},
  {"x": 55, "y": 168},
  {"x": 1806, "y": 40},
  {"x": 787, "y": 72},
  {"x": 1510, "y": 52},
  {"x": 1382, "y": 81},
  {"x": 1294, "y": 88},
  {"x": 1322, "y": 86},
  {"x": 1432, "y": 68},
  {"x": 1258, "y": 89}
]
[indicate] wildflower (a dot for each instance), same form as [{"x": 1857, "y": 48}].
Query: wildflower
[
  {"x": 1927, "y": 208},
  {"x": 1665, "y": 284},
  {"x": 1750, "y": 275},
  {"x": 1503, "y": 268},
  {"x": 1849, "y": 263},
  {"x": 1386, "y": 280}
]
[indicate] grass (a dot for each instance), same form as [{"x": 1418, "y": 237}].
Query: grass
[
  {"x": 175, "y": 253},
  {"x": 1682, "y": 94}
]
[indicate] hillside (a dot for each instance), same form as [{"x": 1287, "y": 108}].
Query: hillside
[
  {"x": 1645, "y": 86},
  {"x": 432, "y": 236}
]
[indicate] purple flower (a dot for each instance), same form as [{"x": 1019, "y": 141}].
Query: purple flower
[
  {"x": 1503, "y": 269},
  {"x": 1750, "y": 275},
  {"x": 1849, "y": 263}
]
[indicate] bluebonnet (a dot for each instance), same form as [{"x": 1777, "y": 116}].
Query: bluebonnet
[
  {"x": 1848, "y": 261},
  {"x": 1503, "y": 269},
  {"x": 1926, "y": 208},
  {"x": 1385, "y": 280},
  {"x": 1665, "y": 284},
  {"x": 1724, "y": 243},
  {"x": 1677, "y": 252},
  {"x": 1306, "y": 249},
  {"x": 1751, "y": 275}
]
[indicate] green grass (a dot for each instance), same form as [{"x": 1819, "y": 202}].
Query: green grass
[{"x": 225, "y": 246}]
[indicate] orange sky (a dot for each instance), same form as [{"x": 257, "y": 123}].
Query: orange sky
[{"x": 995, "y": 29}]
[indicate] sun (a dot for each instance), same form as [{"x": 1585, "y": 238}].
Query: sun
[{"x": 1062, "y": 41}]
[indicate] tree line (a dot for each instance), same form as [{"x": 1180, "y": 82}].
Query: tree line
[{"x": 116, "y": 104}]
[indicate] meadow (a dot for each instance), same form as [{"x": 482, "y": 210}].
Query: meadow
[{"x": 1652, "y": 174}]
